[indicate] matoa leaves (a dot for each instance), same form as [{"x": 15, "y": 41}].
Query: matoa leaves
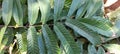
[
  {"x": 101, "y": 26},
  {"x": 101, "y": 50},
  {"x": 66, "y": 39},
  {"x": 32, "y": 40},
  {"x": 18, "y": 12},
  {"x": 33, "y": 9},
  {"x": 91, "y": 49},
  {"x": 74, "y": 6},
  {"x": 50, "y": 40},
  {"x": 7, "y": 6},
  {"x": 41, "y": 44},
  {"x": 78, "y": 27},
  {"x": 58, "y": 6},
  {"x": 45, "y": 10},
  {"x": 0, "y": 13}
]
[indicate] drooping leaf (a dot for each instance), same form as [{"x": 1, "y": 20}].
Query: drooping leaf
[
  {"x": 112, "y": 48},
  {"x": 18, "y": 12},
  {"x": 22, "y": 41},
  {"x": 50, "y": 40},
  {"x": 66, "y": 39},
  {"x": 101, "y": 50},
  {"x": 74, "y": 6},
  {"x": 93, "y": 37},
  {"x": 91, "y": 49},
  {"x": 32, "y": 40},
  {"x": 7, "y": 6},
  {"x": 62, "y": 49},
  {"x": 94, "y": 5},
  {"x": 100, "y": 26},
  {"x": 45, "y": 10},
  {"x": 41, "y": 44},
  {"x": 33, "y": 9},
  {"x": 80, "y": 44},
  {"x": 58, "y": 6}
]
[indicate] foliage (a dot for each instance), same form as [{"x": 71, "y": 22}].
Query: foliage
[{"x": 56, "y": 27}]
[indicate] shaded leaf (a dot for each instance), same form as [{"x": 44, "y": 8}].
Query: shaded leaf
[
  {"x": 93, "y": 37},
  {"x": 33, "y": 9},
  {"x": 66, "y": 39},
  {"x": 41, "y": 44},
  {"x": 0, "y": 13},
  {"x": 101, "y": 50},
  {"x": 91, "y": 49},
  {"x": 32, "y": 40},
  {"x": 50, "y": 40},
  {"x": 18, "y": 12},
  {"x": 45, "y": 10},
  {"x": 7, "y": 7}
]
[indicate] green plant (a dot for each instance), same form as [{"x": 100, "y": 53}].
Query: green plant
[{"x": 36, "y": 27}]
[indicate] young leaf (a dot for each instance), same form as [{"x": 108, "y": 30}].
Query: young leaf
[
  {"x": 74, "y": 6},
  {"x": 58, "y": 6},
  {"x": 66, "y": 39},
  {"x": 33, "y": 9},
  {"x": 22, "y": 40},
  {"x": 50, "y": 40},
  {"x": 2, "y": 32},
  {"x": 32, "y": 40},
  {"x": 45, "y": 10},
  {"x": 93, "y": 37},
  {"x": 7, "y": 7},
  {"x": 18, "y": 12}
]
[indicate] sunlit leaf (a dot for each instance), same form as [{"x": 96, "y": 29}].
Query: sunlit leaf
[
  {"x": 32, "y": 41},
  {"x": 7, "y": 6},
  {"x": 66, "y": 39},
  {"x": 112, "y": 48},
  {"x": 18, "y": 12},
  {"x": 33, "y": 9},
  {"x": 50, "y": 40},
  {"x": 45, "y": 10},
  {"x": 93, "y": 37}
]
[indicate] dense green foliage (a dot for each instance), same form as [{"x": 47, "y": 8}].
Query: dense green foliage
[{"x": 56, "y": 27}]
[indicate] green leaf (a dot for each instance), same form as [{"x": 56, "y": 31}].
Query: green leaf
[
  {"x": 2, "y": 32},
  {"x": 0, "y": 13},
  {"x": 101, "y": 50},
  {"x": 74, "y": 6},
  {"x": 80, "y": 44},
  {"x": 41, "y": 44},
  {"x": 33, "y": 9},
  {"x": 22, "y": 40},
  {"x": 81, "y": 11},
  {"x": 18, "y": 12},
  {"x": 45, "y": 10},
  {"x": 7, "y": 7},
  {"x": 32, "y": 40},
  {"x": 91, "y": 49},
  {"x": 66, "y": 39},
  {"x": 93, "y": 5},
  {"x": 112, "y": 48},
  {"x": 58, "y": 6},
  {"x": 93, "y": 37},
  {"x": 50, "y": 40},
  {"x": 100, "y": 26}
]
